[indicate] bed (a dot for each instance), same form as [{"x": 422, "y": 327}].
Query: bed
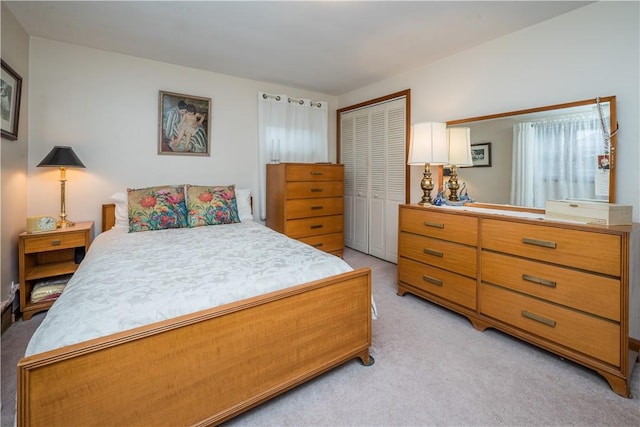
[{"x": 188, "y": 366}]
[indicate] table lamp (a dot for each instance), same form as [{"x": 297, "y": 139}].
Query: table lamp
[
  {"x": 428, "y": 146},
  {"x": 62, "y": 158}
]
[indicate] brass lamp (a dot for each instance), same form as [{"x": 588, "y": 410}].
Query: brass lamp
[
  {"x": 63, "y": 158},
  {"x": 459, "y": 141},
  {"x": 428, "y": 146}
]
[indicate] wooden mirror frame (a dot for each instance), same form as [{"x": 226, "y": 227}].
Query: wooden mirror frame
[{"x": 613, "y": 126}]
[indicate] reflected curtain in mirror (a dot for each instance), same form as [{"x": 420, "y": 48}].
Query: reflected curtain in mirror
[{"x": 557, "y": 158}]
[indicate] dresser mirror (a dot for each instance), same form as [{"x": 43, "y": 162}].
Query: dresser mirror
[{"x": 553, "y": 152}]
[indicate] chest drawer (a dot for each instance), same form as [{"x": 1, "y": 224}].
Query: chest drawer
[
  {"x": 313, "y": 172},
  {"x": 591, "y": 293},
  {"x": 442, "y": 283},
  {"x": 326, "y": 242},
  {"x": 456, "y": 228},
  {"x": 307, "y": 190},
  {"x": 589, "y": 251},
  {"x": 297, "y": 228},
  {"x": 54, "y": 242},
  {"x": 449, "y": 256},
  {"x": 587, "y": 334},
  {"x": 304, "y": 208}
]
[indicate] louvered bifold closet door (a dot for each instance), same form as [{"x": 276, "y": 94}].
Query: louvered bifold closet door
[
  {"x": 377, "y": 173},
  {"x": 361, "y": 199},
  {"x": 396, "y": 174},
  {"x": 373, "y": 151},
  {"x": 347, "y": 158}
]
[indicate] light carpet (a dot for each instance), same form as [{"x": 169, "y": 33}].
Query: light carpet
[{"x": 432, "y": 368}]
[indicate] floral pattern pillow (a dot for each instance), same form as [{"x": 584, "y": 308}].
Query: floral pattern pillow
[
  {"x": 156, "y": 208},
  {"x": 211, "y": 205}
]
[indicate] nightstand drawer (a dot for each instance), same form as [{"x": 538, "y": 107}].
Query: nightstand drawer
[{"x": 54, "y": 242}]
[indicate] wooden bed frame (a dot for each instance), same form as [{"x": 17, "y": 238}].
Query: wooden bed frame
[{"x": 201, "y": 368}]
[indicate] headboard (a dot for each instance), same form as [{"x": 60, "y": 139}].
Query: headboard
[{"x": 108, "y": 216}]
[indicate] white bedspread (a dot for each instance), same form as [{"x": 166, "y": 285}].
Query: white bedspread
[{"x": 133, "y": 279}]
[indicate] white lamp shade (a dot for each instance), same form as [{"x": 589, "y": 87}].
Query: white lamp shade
[
  {"x": 459, "y": 140},
  {"x": 428, "y": 144}
]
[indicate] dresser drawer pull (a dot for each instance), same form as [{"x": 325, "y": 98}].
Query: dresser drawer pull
[
  {"x": 536, "y": 242},
  {"x": 315, "y": 208},
  {"x": 316, "y": 173},
  {"x": 434, "y": 224},
  {"x": 313, "y": 227},
  {"x": 56, "y": 242},
  {"x": 317, "y": 245},
  {"x": 432, "y": 280},
  {"x": 316, "y": 190},
  {"x": 432, "y": 252},
  {"x": 539, "y": 281},
  {"x": 539, "y": 318}
]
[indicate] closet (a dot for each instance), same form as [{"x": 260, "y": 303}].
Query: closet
[{"x": 373, "y": 151}]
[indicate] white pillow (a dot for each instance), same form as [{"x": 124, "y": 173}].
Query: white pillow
[
  {"x": 243, "y": 202},
  {"x": 122, "y": 208}
]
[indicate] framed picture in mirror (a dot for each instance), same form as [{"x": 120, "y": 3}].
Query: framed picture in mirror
[{"x": 481, "y": 154}]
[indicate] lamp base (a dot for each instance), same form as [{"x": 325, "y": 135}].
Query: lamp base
[
  {"x": 426, "y": 185},
  {"x": 63, "y": 223}
]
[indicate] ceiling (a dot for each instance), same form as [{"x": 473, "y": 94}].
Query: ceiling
[{"x": 330, "y": 47}]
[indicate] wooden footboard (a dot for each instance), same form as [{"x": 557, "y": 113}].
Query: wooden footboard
[{"x": 203, "y": 368}]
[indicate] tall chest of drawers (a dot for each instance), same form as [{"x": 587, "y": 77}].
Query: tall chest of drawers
[
  {"x": 305, "y": 201},
  {"x": 569, "y": 288}
]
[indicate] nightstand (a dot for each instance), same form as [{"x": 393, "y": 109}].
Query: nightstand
[{"x": 45, "y": 255}]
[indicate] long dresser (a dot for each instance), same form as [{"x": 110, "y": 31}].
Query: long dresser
[
  {"x": 305, "y": 201},
  {"x": 569, "y": 288}
]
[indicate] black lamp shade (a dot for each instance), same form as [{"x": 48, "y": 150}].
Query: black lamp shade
[{"x": 60, "y": 156}]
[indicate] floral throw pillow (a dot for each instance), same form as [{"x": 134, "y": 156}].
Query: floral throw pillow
[
  {"x": 211, "y": 205},
  {"x": 156, "y": 208}
]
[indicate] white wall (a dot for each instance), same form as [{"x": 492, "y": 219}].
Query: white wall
[
  {"x": 13, "y": 156},
  {"x": 593, "y": 51},
  {"x": 105, "y": 106}
]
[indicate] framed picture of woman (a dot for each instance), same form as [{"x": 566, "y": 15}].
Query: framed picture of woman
[
  {"x": 184, "y": 124},
  {"x": 10, "y": 90}
]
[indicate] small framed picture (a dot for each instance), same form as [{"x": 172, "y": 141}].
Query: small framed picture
[
  {"x": 481, "y": 154},
  {"x": 10, "y": 90},
  {"x": 184, "y": 124}
]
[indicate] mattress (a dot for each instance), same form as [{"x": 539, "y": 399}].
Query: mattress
[{"x": 129, "y": 280}]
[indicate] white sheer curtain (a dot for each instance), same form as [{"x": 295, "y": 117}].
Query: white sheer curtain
[
  {"x": 556, "y": 159},
  {"x": 290, "y": 130}
]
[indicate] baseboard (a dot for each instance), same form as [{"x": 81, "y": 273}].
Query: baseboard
[{"x": 634, "y": 344}]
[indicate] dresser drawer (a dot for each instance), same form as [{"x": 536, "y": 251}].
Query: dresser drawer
[
  {"x": 315, "y": 172},
  {"x": 587, "y": 334},
  {"x": 450, "y": 286},
  {"x": 54, "y": 242},
  {"x": 592, "y": 293},
  {"x": 590, "y": 251},
  {"x": 304, "y": 208},
  {"x": 325, "y": 242},
  {"x": 297, "y": 228},
  {"x": 447, "y": 255},
  {"x": 307, "y": 190},
  {"x": 456, "y": 228}
]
